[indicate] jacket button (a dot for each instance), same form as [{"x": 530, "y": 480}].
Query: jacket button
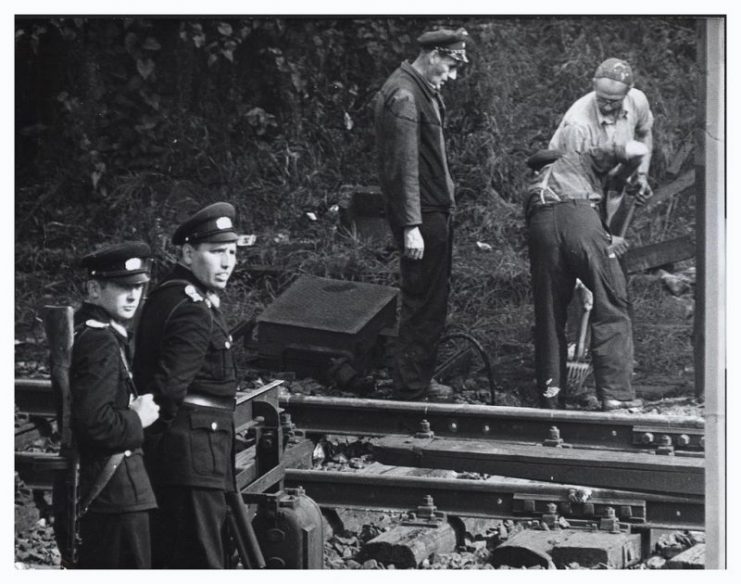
[
  {"x": 227, "y": 345},
  {"x": 214, "y": 425},
  {"x": 127, "y": 453}
]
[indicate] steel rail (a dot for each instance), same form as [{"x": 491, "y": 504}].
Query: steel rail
[
  {"x": 496, "y": 497},
  {"x": 370, "y": 417},
  {"x": 334, "y": 415}
]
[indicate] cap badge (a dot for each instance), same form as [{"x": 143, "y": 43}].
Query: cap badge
[
  {"x": 224, "y": 223},
  {"x": 133, "y": 264},
  {"x": 192, "y": 293}
]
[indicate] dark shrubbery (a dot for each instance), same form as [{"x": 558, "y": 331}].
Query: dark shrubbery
[{"x": 126, "y": 125}]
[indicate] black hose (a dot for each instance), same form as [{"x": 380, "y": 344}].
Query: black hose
[{"x": 484, "y": 357}]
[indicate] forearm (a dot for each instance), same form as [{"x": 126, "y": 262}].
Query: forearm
[{"x": 645, "y": 164}]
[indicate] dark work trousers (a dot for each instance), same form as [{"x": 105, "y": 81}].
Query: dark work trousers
[
  {"x": 425, "y": 285},
  {"x": 189, "y": 528},
  {"x": 115, "y": 541},
  {"x": 567, "y": 241}
]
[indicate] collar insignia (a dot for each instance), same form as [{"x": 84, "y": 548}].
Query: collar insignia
[{"x": 192, "y": 293}]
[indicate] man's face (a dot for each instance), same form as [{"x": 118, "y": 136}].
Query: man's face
[
  {"x": 441, "y": 69},
  {"x": 211, "y": 263},
  {"x": 120, "y": 301},
  {"x": 609, "y": 95}
]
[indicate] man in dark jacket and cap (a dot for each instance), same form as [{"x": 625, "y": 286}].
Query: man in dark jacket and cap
[
  {"x": 419, "y": 196},
  {"x": 109, "y": 414},
  {"x": 184, "y": 358}
]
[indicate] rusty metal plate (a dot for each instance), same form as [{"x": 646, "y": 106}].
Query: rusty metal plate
[
  {"x": 325, "y": 304},
  {"x": 317, "y": 319}
]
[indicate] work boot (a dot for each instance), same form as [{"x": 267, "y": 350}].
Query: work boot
[{"x": 609, "y": 405}]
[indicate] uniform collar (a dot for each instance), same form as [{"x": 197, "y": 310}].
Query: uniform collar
[
  {"x": 428, "y": 89},
  {"x": 183, "y": 272},
  {"x": 94, "y": 312}
]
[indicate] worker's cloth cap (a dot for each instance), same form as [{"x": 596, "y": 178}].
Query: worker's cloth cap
[
  {"x": 615, "y": 69},
  {"x": 542, "y": 158},
  {"x": 125, "y": 263},
  {"x": 448, "y": 42},
  {"x": 213, "y": 224}
]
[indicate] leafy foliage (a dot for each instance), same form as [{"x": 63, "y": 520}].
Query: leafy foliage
[{"x": 126, "y": 125}]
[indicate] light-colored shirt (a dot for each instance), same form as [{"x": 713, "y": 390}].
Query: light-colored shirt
[{"x": 591, "y": 128}]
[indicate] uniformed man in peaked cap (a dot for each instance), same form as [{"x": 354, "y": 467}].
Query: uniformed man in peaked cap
[
  {"x": 419, "y": 196},
  {"x": 184, "y": 358},
  {"x": 109, "y": 414}
]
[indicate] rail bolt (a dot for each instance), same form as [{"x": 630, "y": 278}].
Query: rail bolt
[
  {"x": 610, "y": 513},
  {"x": 647, "y": 438},
  {"x": 552, "y": 508},
  {"x": 683, "y": 440},
  {"x": 554, "y": 437},
  {"x": 665, "y": 445},
  {"x": 424, "y": 430},
  {"x": 453, "y": 426},
  {"x": 485, "y": 429}
]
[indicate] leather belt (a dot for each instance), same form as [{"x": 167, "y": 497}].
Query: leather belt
[{"x": 210, "y": 401}]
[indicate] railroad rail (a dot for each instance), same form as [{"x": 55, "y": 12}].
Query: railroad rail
[
  {"x": 370, "y": 417},
  {"x": 617, "y": 455},
  {"x": 496, "y": 497}
]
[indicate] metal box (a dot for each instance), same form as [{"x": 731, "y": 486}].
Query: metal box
[{"x": 317, "y": 320}]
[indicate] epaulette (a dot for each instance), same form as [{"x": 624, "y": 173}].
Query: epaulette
[
  {"x": 193, "y": 294},
  {"x": 96, "y": 324}
]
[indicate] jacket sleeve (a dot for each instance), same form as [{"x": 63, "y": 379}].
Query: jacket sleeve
[
  {"x": 95, "y": 377},
  {"x": 401, "y": 158},
  {"x": 183, "y": 349}
]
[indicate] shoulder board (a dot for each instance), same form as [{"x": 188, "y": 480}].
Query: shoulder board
[
  {"x": 193, "y": 294},
  {"x": 96, "y": 324}
]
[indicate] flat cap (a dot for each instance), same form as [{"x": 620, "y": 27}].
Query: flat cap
[
  {"x": 543, "y": 158},
  {"x": 448, "y": 42},
  {"x": 126, "y": 263},
  {"x": 214, "y": 223},
  {"x": 615, "y": 69}
]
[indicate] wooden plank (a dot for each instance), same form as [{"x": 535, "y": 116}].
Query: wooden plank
[
  {"x": 406, "y": 546},
  {"x": 654, "y": 255},
  {"x": 683, "y": 182},
  {"x": 681, "y": 156}
]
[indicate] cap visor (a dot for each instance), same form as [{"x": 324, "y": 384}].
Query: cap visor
[
  {"x": 140, "y": 278},
  {"x": 224, "y": 236}
]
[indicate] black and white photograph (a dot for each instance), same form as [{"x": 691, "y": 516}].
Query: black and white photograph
[{"x": 335, "y": 291}]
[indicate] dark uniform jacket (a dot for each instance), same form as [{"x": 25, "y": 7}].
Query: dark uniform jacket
[
  {"x": 183, "y": 348},
  {"x": 102, "y": 422},
  {"x": 413, "y": 169}
]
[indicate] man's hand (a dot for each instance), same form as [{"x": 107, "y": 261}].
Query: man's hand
[
  {"x": 146, "y": 409},
  {"x": 643, "y": 190},
  {"x": 618, "y": 246},
  {"x": 414, "y": 244}
]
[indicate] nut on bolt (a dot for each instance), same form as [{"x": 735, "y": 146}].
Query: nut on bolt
[
  {"x": 554, "y": 437},
  {"x": 647, "y": 438},
  {"x": 665, "y": 445},
  {"x": 683, "y": 440},
  {"x": 424, "y": 430}
]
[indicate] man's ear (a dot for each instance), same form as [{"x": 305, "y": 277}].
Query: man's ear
[
  {"x": 188, "y": 250},
  {"x": 93, "y": 289}
]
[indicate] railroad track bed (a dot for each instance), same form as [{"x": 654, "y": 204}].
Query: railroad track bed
[{"x": 486, "y": 486}]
